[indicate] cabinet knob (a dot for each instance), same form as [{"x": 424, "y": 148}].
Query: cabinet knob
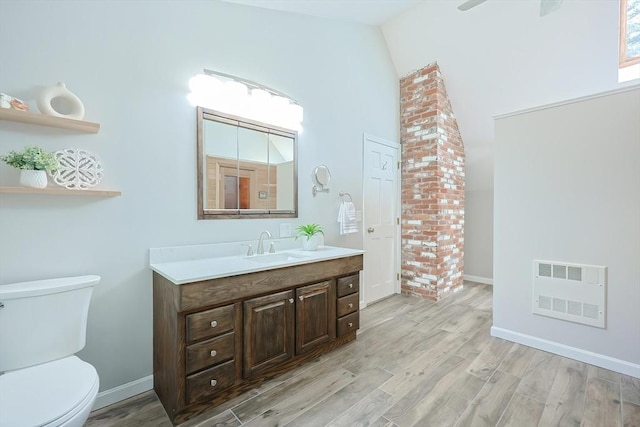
[
  {"x": 291, "y": 300},
  {"x": 213, "y": 353},
  {"x": 350, "y": 285},
  {"x": 350, "y": 305},
  {"x": 214, "y": 324},
  {"x": 214, "y": 383},
  {"x": 301, "y": 297},
  {"x": 350, "y": 324}
]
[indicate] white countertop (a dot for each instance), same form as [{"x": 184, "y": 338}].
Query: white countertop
[{"x": 171, "y": 262}]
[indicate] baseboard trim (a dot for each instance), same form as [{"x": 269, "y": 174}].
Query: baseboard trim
[
  {"x": 483, "y": 280},
  {"x": 122, "y": 392},
  {"x": 585, "y": 356}
]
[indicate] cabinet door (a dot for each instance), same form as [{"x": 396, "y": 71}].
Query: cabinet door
[
  {"x": 315, "y": 316},
  {"x": 268, "y": 331}
]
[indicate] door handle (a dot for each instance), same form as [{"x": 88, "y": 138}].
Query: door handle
[{"x": 370, "y": 230}]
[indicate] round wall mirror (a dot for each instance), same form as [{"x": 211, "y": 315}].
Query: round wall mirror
[{"x": 322, "y": 175}]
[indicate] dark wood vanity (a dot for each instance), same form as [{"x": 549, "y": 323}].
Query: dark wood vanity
[{"x": 215, "y": 339}]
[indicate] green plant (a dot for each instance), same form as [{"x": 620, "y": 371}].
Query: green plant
[
  {"x": 31, "y": 158},
  {"x": 309, "y": 230}
]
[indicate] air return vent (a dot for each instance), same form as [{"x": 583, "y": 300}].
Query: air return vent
[{"x": 571, "y": 292}]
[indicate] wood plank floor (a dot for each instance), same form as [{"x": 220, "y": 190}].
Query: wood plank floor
[{"x": 420, "y": 363}]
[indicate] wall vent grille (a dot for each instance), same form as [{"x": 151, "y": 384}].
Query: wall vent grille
[{"x": 572, "y": 292}]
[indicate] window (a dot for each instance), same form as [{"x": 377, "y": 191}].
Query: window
[
  {"x": 629, "y": 67},
  {"x": 629, "y": 32}
]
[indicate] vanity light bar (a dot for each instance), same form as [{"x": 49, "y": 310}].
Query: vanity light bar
[
  {"x": 250, "y": 84},
  {"x": 244, "y": 98}
]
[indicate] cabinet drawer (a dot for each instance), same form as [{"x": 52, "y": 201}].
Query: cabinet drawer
[
  {"x": 348, "y": 304},
  {"x": 348, "y": 285},
  {"x": 210, "y": 352},
  {"x": 209, "y": 323},
  {"x": 209, "y": 382},
  {"x": 348, "y": 323}
]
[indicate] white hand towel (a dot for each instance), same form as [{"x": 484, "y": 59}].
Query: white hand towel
[{"x": 347, "y": 218}]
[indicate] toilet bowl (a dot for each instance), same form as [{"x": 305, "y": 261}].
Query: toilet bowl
[{"x": 42, "y": 325}]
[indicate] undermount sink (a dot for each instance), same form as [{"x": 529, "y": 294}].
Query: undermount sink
[{"x": 277, "y": 257}]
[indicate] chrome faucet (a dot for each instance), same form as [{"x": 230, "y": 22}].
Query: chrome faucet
[{"x": 260, "y": 250}]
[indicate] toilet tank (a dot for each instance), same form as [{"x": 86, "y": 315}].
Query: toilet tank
[{"x": 43, "y": 320}]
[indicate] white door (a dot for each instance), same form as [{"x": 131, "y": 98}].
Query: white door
[{"x": 381, "y": 218}]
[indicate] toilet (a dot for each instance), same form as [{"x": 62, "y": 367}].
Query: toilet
[{"x": 42, "y": 325}]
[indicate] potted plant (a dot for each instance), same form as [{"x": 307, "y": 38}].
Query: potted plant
[
  {"x": 311, "y": 232},
  {"x": 34, "y": 163}
]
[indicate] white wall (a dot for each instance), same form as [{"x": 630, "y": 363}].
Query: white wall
[
  {"x": 478, "y": 235},
  {"x": 500, "y": 57},
  {"x": 566, "y": 189},
  {"x": 130, "y": 63}
]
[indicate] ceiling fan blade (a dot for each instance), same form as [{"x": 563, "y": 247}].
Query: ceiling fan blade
[
  {"x": 469, "y": 4},
  {"x": 549, "y": 6}
]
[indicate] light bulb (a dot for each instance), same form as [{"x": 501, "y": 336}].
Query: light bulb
[
  {"x": 261, "y": 96},
  {"x": 203, "y": 84}
]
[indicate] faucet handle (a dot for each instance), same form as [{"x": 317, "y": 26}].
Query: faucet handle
[
  {"x": 272, "y": 248},
  {"x": 250, "y": 250}
]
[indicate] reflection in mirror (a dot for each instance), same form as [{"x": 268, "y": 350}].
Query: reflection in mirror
[{"x": 245, "y": 169}]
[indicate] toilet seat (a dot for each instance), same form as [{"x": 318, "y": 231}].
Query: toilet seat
[{"x": 48, "y": 394}]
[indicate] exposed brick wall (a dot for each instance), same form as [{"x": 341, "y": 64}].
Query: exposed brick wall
[{"x": 432, "y": 187}]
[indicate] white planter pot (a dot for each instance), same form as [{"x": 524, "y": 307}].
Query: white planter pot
[
  {"x": 31, "y": 178},
  {"x": 310, "y": 244}
]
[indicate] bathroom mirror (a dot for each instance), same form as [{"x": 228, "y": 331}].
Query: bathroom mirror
[{"x": 246, "y": 169}]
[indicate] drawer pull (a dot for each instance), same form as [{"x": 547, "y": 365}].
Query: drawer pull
[
  {"x": 350, "y": 324},
  {"x": 350, "y": 285},
  {"x": 213, "y": 353},
  {"x": 291, "y": 300},
  {"x": 350, "y": 305},
  {"x": 214, "y": 383},
  {"x": 301, "y": 297},
  {"x": 214, "y": 324}
]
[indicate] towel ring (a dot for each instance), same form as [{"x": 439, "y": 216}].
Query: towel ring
[{"x": 344, "y": 194}]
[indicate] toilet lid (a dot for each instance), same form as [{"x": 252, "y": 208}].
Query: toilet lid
[{"x": 41, "y": 394}]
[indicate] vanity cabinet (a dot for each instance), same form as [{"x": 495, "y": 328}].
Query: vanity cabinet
[
  {"x": 269, "y": 325},
  {"x": 348, "y": 304},
  {"x": 268, "y": 332},
  {"x": 215, "y": 339},
  {"x": 209, "y": 363},
  {"x": 315, "y": 316}
]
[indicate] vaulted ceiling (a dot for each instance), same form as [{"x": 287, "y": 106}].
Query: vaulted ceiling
[
  {"x": 496, "y": 58},
  {"x": 371, "y": 12}
]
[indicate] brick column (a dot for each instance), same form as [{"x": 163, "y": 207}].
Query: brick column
[{"x": 432, "y": 187}]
